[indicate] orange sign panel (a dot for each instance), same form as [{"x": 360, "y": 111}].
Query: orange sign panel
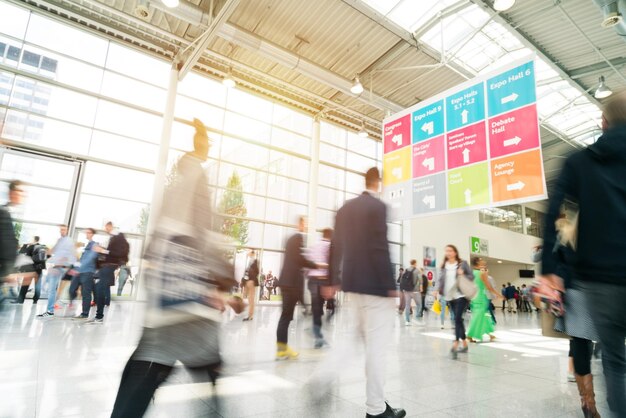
[{"x": 518, "y": 176}]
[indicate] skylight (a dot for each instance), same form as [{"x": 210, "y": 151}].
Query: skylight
[{"x": 472, "y": 40}]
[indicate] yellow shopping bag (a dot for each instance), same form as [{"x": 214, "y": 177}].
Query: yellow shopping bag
[{"x": 437, "y": 307}]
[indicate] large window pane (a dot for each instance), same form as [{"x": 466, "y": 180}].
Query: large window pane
[
  {"x": 123, "y": 150},
  {"x": 203, "y": 88},
  {"x": 534, "y": 222},
  {"x": 182, "y": 139},
  {"x": 287, "y": 189},
  {"x": 13, "y": 20},
  {"x": 95, "y": 211},
  {"x": 254, "y": 205},
  {"x": 62, "y": 69},
  {"x": 332, "y": 177},
  {"x": 271, "y": 262},
  {"x": 330, "y": 198},
  {"x": 333, "y": 134},
  {"x": 288, "y": 165},
  {"x": 46, "y": 133},
  {"x": 505, "y": 217},
  {"x": 48, "y": 234},
  {"x": 37, "y": 171},
  {"x": 325, "y": 218},
  {"x": 394, "y": 232},
  {"x": 211, "y": 116},
  {"x": 333, "y": 155},
  {"x": 247, "y": 128},
  {"x": 359, "y": 163},
  {"x": 45, "y": 205},
  {"x": 133, "y": 91},
  {"x": 290, "y": 141},
  {"x": 283, "y": 212},
  {"x": 60, "y": 103},
  {"x": 249, "y": 104},
  {"x": 292, "y": 120},
  {"x": 244, "y": 153},
  {"x": 6, "y": 84},
  {"x": 252, "y": 181},
  {"x": 137, "y": 65},
  {"x": 275, "y": 236},
  {"x": 364, "y": 146},
  {"x": 67, "y": 40},
  {"x": 355, "y": 183},
  {"x": 121, "y": 183},
  {"x": 129, "y": 122}
]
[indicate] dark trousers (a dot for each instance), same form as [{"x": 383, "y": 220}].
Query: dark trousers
[
  {"x": 503, "y": 304},
  {"x": 103, "y": 288},
  {"x": 317, "y": 307},
  {"x": 85, "y": 281},
  {"x": 459, "y": 306},
  {"x": 141, "y": 379},
  {"x": 492, "y": 312},
  {"x": 291, "y": 296},
  {"x": 581, "y": 350},
  {"x": 609, "y": 317},
  {"x": 24, "y": 289},
  {"x": 424, "y": 308}
]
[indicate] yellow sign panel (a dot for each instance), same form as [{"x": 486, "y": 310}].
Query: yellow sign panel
[{"x": 397, "y": 166}]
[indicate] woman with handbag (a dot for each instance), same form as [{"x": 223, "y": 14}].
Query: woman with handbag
[{"x": 454, "y": 278}]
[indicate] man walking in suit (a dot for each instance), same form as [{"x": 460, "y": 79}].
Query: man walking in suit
[
  {"x": 291, "y": 288},
  {"x": 360, "y": 262}
]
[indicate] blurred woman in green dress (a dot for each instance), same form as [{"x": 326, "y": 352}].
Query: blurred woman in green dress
[{"x": 481, "y": 322}]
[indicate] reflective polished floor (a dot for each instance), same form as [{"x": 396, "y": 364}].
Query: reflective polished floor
[{"x": 58, "y": 368}]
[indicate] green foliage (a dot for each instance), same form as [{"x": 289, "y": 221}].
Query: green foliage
[
  {"x": 233, "y": 207},
  {"x": 17, "y": 228}
]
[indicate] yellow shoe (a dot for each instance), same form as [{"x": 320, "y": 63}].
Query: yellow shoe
[{"x": 284, "y": 352}]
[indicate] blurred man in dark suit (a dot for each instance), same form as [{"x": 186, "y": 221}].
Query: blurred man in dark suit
[
  {"x": 291, "y": 287},
  {"x": 361, "y": 264}
]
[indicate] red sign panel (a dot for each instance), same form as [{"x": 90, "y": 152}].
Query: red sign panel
[
  {"x": 397, "y": 134},
  {"x": 429, "y": 157},
  {"x": 467, "y": 145},
  {"x": 514, "y": 132}
]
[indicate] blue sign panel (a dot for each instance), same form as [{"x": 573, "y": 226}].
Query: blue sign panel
[
  {"x": 428, "y": 122},
  {"x": 512, "y": 89},
  {"x": 465, "y": 107}
]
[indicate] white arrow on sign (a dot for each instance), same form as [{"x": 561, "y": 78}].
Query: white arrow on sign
[
  {"x": 429, "y": 127},
  {"x": 513, "y": 141},
  {"x": 510, "y": 98},
  {"x": 397, "y": 139},
  {"x": 468, "y": 197},
  {"x": 429, "y": 163},
  {"x": 515, "y": 186},
  {"x": 397, "y": 172},
  {"x": 466, "y": 153},
  {"x": 429, "y": 201},
  {"x": 464, "y": 115}
]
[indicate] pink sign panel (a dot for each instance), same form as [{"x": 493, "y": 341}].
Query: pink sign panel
[
  {"x": 467, "y": 145},
  {"x": 514, "y": 131},
  {"x": 397, "y": 134},
  {"x": 429, "y": 157}
]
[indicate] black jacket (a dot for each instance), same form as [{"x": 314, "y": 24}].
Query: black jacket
[
  {"x": 359, "y": 255},
  {"x": 8, "y": 243},
  {"x": 118, "y": 250},
  {"x": 595, "y": 180},
  {"x": 291, "y": 274}
]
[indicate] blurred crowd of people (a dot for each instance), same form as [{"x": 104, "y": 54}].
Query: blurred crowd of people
[{"x": 580, "y": 292}]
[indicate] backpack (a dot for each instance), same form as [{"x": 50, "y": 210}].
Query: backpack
[
  {"x": 40, "y": 254},
  {"x": 406, "y": 282}
]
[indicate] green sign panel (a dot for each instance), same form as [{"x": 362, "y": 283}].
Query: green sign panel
[
  {"x": 468, "y": 186},
  {"x": 479, "y": 246}
]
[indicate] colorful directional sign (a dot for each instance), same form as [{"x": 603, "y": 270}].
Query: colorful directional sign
[
  {"x": 473, "y": 146},
  {"x": 428, "y": 122},
  {"x": 397, "y": 134}
]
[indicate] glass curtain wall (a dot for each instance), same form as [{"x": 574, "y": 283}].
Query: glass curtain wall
[{"x": 79, "y": 95}]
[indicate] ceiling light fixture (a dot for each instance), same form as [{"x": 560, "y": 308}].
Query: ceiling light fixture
[
  {"x": 357, "y": 87},
  {"x": 171, "y": 3},
  {"x": 362, "y": 132},
  {"x": 229, "y": 81},
  {"x": 602, "y": 92},
  {"x": 502, "y": 5}
]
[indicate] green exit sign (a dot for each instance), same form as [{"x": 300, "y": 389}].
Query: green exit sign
[{"x": 479, "y": 246}]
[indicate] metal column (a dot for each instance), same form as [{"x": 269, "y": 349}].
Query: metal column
[{"x": 314, "y": 171}]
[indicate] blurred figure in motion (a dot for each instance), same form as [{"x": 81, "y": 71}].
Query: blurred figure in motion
[
  {"x": 38, "y": 255},
  {"x": 448, "y": 288},
  {"x": 63, "y": 258},
  {"x": 408, "y": 285},
  {"x": 320, "y": 254},
  {"x": 124, "y": 274},
  {"x": 185, "y": 277},
  {"x": 482, "y": 321},
  {"x": 86, "y": 268},
  {"x": 291, "y": 287},
  {"x": 8, "y": 241},
  {"x": 252, "y": 283},
  {"x": 113, "y": 256},
  {"x": 361, "y": 264},
  {"x": 592, "y": 184}
]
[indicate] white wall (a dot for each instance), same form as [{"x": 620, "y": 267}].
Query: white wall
[{"x": 441, "y": 230}]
